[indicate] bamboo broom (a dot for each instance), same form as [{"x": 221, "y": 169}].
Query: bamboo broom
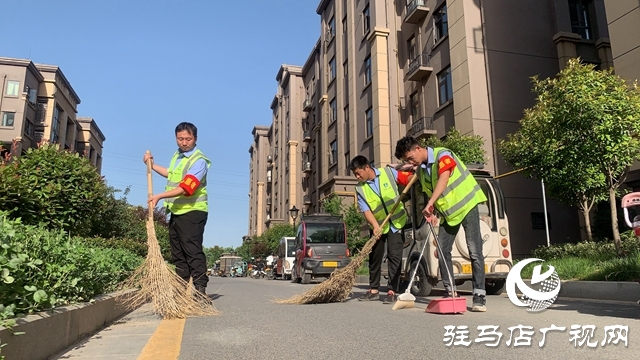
[
  {"x": 337, "y": 287},
  {"x": 170, "y": 295}
]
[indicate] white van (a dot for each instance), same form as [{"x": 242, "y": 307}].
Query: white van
[{"x": 286, "y": 255}]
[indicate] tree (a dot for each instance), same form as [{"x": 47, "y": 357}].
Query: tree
[
  {"x": 353, "y": 219},
  {"x": 213, "y": 254},
  {"x": 581, "y": 136},
  {"x": 467, "y": 147},
  {"x": 271, "y": 238}
]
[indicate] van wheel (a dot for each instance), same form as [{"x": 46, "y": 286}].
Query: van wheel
[
  {"x": 306, "y": 279},
  {"x": 421, "y": 285},
  {"x": 495, "y": 287}
]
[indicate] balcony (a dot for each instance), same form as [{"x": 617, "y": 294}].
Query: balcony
[
  {"x": 306, "y": 105},
  {"x": 417, "y": 10},
  {"x": 422, "y": 128},
  {"x": 306, "y": 135},
  {"x": 306, "y": 166},
  {"x": 419, "y": 68},
  {"x": 269, "y": 176},
  {"x": 306, "y": 199}
]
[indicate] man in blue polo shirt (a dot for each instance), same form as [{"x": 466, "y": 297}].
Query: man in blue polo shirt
[
  {"x": 377, "y": 193},
  {"x": 186, "y": 200}
]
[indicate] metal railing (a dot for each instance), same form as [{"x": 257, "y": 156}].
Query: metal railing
[
  {"x": 412, "y": 5},
  {"x": 420, "y": 60},
  {"x": 424, "y": 123}
]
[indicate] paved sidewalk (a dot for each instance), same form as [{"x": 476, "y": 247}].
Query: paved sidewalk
[{"x": 123, "y": 340}]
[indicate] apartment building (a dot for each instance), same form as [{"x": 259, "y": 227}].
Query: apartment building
[
  {"x": 259, "y": 153},
  {"x": 381, "y": 70},
  {"x": 623, "y": 21},
  {"x": 39, "y": 104}
]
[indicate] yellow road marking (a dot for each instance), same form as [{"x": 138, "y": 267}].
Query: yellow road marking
[{"x": 165, "y": 341}]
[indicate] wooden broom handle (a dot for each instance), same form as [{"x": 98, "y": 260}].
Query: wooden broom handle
[
  {"x": 404, "y": 192},
  {"x": 149, "y": 184}
]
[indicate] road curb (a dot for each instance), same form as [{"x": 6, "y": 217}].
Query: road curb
[
  {"x": 625, "y": 291},
  {"x": 600, "y": 290},
  {"x": 48, "y": 333}
]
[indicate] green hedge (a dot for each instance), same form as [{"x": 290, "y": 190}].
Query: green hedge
[
  {"x": 41, "y": 269},
  {"x": 603, "y": 250}
]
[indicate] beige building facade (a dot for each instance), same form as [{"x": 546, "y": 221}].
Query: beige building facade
[
  {"x": 259, "y": 153},
  {"x": 39, "y": 104},
  {"x": 381, "y": 70},
  {"x": 623, "y": 20}
]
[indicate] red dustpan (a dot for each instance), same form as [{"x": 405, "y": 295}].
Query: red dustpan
[{"x": 452, "y": 304}]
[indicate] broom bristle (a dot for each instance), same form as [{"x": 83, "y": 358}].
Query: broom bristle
[
  {"x": 337, "y": 287},
  {"x": 171, "y": 296}
]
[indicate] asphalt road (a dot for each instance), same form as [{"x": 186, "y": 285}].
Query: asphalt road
[{"x": 251, "y": 326}]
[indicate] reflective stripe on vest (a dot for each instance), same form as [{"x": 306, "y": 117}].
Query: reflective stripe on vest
[
  {"x": 389, "y": 193},
  {"x": 461, "y": 194},
  {"x": 176, "y": 172}
]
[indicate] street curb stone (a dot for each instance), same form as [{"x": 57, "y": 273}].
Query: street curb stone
[
  {"x": 593, "y": 290},
  {"x": 48, "y": 333}
]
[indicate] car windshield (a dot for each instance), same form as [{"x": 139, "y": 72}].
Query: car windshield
[
  {"x": 319, "y": 233},
  {"x": 291, "y": 248}
]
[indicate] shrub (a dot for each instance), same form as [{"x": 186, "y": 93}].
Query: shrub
[
  {"x": 604, "y": 250},
  {"x": 53, "y": 187},
  {"x": 42, "y": 269}
]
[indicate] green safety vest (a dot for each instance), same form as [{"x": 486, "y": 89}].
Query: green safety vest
[
  {"x": 389, "y": 193},
  {"x": 176, "y": 172},
  {"x": 460, "y": 196}
]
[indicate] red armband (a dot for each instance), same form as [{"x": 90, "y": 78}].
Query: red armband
[
  {"x": 403, "y": 177},
  {"x": 189, "y": 184},
  {"x": 446, "y": 163}
]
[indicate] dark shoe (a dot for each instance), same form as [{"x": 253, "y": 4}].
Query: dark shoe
[
  {"x": 390, "y": 298},
  {"x": 202, "y": 289},
  {"x": 479, "y": 303},
  {"x": 369, "y": 296}
]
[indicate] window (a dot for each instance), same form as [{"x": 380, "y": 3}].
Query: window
[
  {"x": 334, "y": 110},
  {"x": 372, "y": 163},
  {"x": 345, "y": 68},
  {"x": 440, "y": 23},
  {"x": 332, "y": 69},
  {"x": 344, "y": 26},
  {"x": 367, "y": 70},
  {"x": 369, "y": 121},
  {"x": 331, "y": 28},
  {"x": 8, "y": 118},
  {"x": 415, "y": 106},
  {"x": 29, "y": 128},
  {"x": 33, "y": 96},
  {"x": 13, "y": 87},
  {"x": 347, "y": 161},
  {"x": 411, "y": 48},
  {"x": 445, "y": 92},
  {"x": 366, "y": 20},
  {"x": 334, "y": 152},
  {"x": 581, "y": 15}
]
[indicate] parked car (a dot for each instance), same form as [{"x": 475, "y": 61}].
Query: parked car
[{"x": 320, "y": 247}]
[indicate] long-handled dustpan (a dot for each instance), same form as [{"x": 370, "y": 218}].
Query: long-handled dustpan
[
  {"x": 449, "y": 305},
  {"x": 407, "y": 300}
]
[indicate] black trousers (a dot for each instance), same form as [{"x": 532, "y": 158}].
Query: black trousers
[
  {"x": 395, "y": 244},
  {"x": 186, "y": 233}
]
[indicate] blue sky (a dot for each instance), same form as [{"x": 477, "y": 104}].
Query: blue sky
[{"x": 142, "y": 67}]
